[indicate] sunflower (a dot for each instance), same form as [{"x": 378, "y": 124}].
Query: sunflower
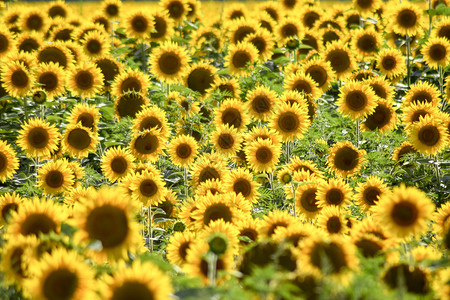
[
  {"x": 207, "y": 169},
  {"x": 310, "y": 39},
  {"x": 51, "y": 78},
  {"x": 402, "y": 150},
  {"x": 248, "y": 228},
  {"x": 182, "y": 150},
  {"x": 441, "y": 28},
  {"x": 340, "y": 58},
  {"x": 335, "y": 192},
  {"x": 329, "y": 35},
  {"x": 298, "y": 165},
  {"x": 294, "y": 233},
  {"x": 274, "y": 220},
  {"x": 178, "y": 246},
  {"x": 231, "y": 112},
  {"x": 288, "y": 29},
  {"x": 147, "y": 145},
  {"x": 9, "y": 163},
  {"x": 413, "y": 112},
  {"x": 79, "y": 141},
  {"x": 107, "y": 216},
  {"x": 240, "y": 28},
  {"x": 345, "y": 159},
  {"x": 29, "y": 41},
  {"x": 214, "y": 207},
  {"x": 303, "y": 84},
  {"x": 9, "y": 203},
  {"x": 356, "y": 100},
  {"x": 55, "y": 177},
  {"x": 366, "y": 42},
  {"x": 58, "y": 9},
  {"x": 139, "y": 25},
  {"x": 177, "y": 9},
  {"x": 368, "y": 237},
  {"x": 369, "y": 192},
  {"x": 422, "y": 92},
  {"x": 441, "y": 219},
  {"x": 239, "y": 57},
  {"x": 130, "y": 81},
  {"x": 117, "y": 163},
  {"x": 263, "y": 41},
  {"x": 7, "y": 43},
  {"x": 61, "y": 274},
  {"x": 110, "y": 68},
  {"x": 87, "y": 115},
  {"x": 85, "y": 80},
  {"x": 56, "y": 52},
  {"x": 262, "y": 155},
  {"x": 112, "y": 8},
  {"x": 235, "y": 11},
  {"x": 226, "y": 140},
  {"x": 240, "y": 181},
  {"x": 261, "y": 102},
  {"x": 391, "y": 62},
  {"x": 76, "y": 51},
  {"x": 211, "y": 186},
  {"x": 129, "y": 105},
  {"x": 406, "y": 19},
  {"x": 306, "y": 202},
  {"x": 309, "y": 16},
  {"x": 62, "y": 32},
  {"x": 95, "y": 44},
  {"x": 320, "y": 71},
  {"x": 366, "y": 6},
  {"x": 169, "y": 62},
  {"x": 221, "y": 236},
  {"x": 16, "y": 79},
  {"x": 290, "y": 121},
  {"x": 413, "y": 279},
  {"x": 436, "y": 52},
  {"x": 200, "y": 77},
  {"x": 331, "y": 220},
  {"x": 148, "y": 189},
  {"x": 404, "y": 212},
  {"x": 382, "y": 119},
  {"x": 151, "y": 117},
  {"x": 428, "y": 135},
  {"x": 38, "y": 138},
  {"x": 33, "y": 20},
  {"x": 207, "y": 39},
  {"x": 290, "y": 5}
]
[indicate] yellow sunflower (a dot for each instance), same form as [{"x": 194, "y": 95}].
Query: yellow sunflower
[
  {"x": 391, "y": 62},
  {"x": 51, "y": 78},
  {"x": 129, "y": 105},
  {"x": 369, "y": 192},
  {"x": 240, "y": 181},
  {"x": 38, "y": 138},
  {"x": 128, "y": 81},
  {"x": 200, "y": 77},
  {"x": 436, "y": 52},
  {"x": 95, "y": 44},
  {"x": 264, "y": 42},
  {"x": 235, "y": 12},
  {"x": 33, "y": 19},
  {"x": 9, "y": 163},
  {"x": 335, "y": 192},
  {"x": 413, "y": 112},
  {"x": 366, "y": 6},
  {"x": 240, "y": 57},
  {"x": 441, "y": 28},
  {"x": 214, "y": 207},
  {"x": 112, "y": 8},
  {"x": 306, "y": 202},
  {"x": 441, "y": 219},
  {"x": 139, "y": 25},
  {"x": 177, "y": 9},
  {"x": 366, "y": 41},
  {"x": 294, "y": 233},
  {"x": 402, "y": 150},
  {"x": 55, "y": 177},
  {"x": 16, "y": 79},
  {"x": 182, "y": 150},
  {"x": 274, "y": 220},
  {"x": 231, "y": 112},
  {"x": 211, "y": 186},
  {"x": 383, "y": 118},
  {"x": 261, "y": 102},
  {"x": 169, "y": 62},
  {"x": 151, "y": 117},
  {"x": 147, "y": 189},
  {"x": 85, "y": 80},
  {"x": 262, "y": 155},
  {"x": 178, "y": 247},
  {"x": 226, "y": 140},
  {"x": 238, "y": 29},
  {"x": 290, "y": 121},
  {"x": 9, "y": 203},
  {"x": 320, "y": 71},
  {"x": 29, "y": 41},
  {"x": 332, "y": 221},
  {"x": 107, "y": 216},
  {"x": 303, "y": 84},
  {"x": 7, "y": 43},
  {"x": 110, "y": 68},
  {"x": 56, "y": 52},
  {"x": 163, "y": 25},
  {"x": 87, "y": 115},
  {"x": 345, "y": 159},
  {"x": 428, "y": 135},
  {"x": 117, "y": 163},
  {"x": 404, "y": 212},
  {"x": 248, "y": 228},
  {"x": 406, "y": 19},
  {"x": 356, "y": 100},
  {"x": 221, "y": 236},
  {"x": 422, "y": 92},
  {"x": 147, "y": 145}
]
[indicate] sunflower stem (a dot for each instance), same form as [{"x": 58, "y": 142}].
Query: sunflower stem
[
  {"x": 430, "y": 17},
  {"x": 357, "y": 132},
  {"x": 186, "y": 185},
  {"x": 441, "y": 80},
  {"x": 270, "y": 174},
  {"x": 25, "y": 107},
  {"x": 436, "y": 167},
  {"x": 150, "y": 227},
  {"x": 144, "y": 59},
  {"x": 212, "y": 264},
  {"x": 408, "y": 63},
  {"x": 293, "y": 198}
]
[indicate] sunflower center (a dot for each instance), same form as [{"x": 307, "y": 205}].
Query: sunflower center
[
  {"x": 240, "y": 59},
  {"x": 261, "y": 104},
  {"x": 19, "y": 78},
  {"x": 215, "y": 212},
  {"x": 302, "y": 86},
  {"x": 16, "y": 262},
  {"x": 183, "y": 151},
  {"x": 139, "y": 24},
  {"x": 119, "y": 165},
  {"x": 318, "y": 74},
  {"x": 371, "y": 195},
  {"x": 129, "y": 105},
  {"x": 356, "y": 100},
  {"x": 79, "y": 138},
  {"x": 379, "y": 118},
  {"x": 308, "y": 200},
  {"x": 405, "y": 150},
  {"x": 131, "y": 84},
  {"x": 38, "y": 138},
  {"x": 236, "y": 15},
  {"x": 84, "y": 80},
  {"x": 182, "y": 250},
  {"x": 251, "y": 233},
  {"x": 437, "y": 52},
  {"x": 112, "y": 10},
  {"x": 146, "y": 144},
  {"x": 407, "y": 18},
  {"x": 429, "y": 135},
  {"x": 368, "y": 248},
  {"x": 37, "y": 223},
  {"x": 4, "y": 43},
  {"x": 7, "y": 209},
  {"x": 149, "y": 123},
  {"x": 310, "y": 18},
  {"x": 444, "y": 31},
  {"x": 132, "y": 290},
  {"x": 329, "y": 37},
  {"x": 54, "y": 179},
  {"x": 421, "y": 96},
  {"x": 365, "y": 4},
  {"x": 108, "y": 224},
  {"x": 57, "y": 11},
  {"x": 176, "y": 9},
  {"x": 288, "y": 122},
  {"x": 199, "y": 80},
  {"x": 241, "y": 33},
  {"x": 264, "y": 155},
  {"x": 60, "y": 284},
  {"x": 208, "y": 173},
  {"x": 379, "y": 90},
  {"x": 223, "y": 88},
  {"x": 334, "y": 224},
  {"x": 34, "y": 22},
  {"x": 49, "y": 80},
  {"x": 260, "y": 44},
  {"x": 367, "y": 43},
  {"x": 109, "y": 70},
  {"x": 86, "y": 119},
  {"x": 346, "y": 159},
  {"x": 335, "y": 196},
  {"x": 28, "y": 45},
  {"x": 148, "y": 188},
  {"x": 160, "y": 27},
  {"x": 310, "y": 41},
  {"x": 417, "y": 114},
  {"x": 225, "y": 141},
  {"x": 94, "y": 46},
  {"x": 404, "y": 213},
  {"x": 242, "y": 186},
  {"x": 232, "y": 117},
  {"x": 289, "y": 3},
  {"x": 53, "y": 54},
  {"x": 324, "y": 255},
  {"x": 414, "y": 279},
  {"x": 339, "y": 60},
  {"x": 169, "y": 63}
]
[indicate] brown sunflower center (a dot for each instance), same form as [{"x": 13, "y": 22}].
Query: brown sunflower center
[
  {"x": 264, "y": 155},
  {"x": 356, "y": 100},
  {"x": 308, "y": 200},
  {"x": 16, "y": 262},
  {"x": 7, "y": 209},
  {"x": 183, "y": 151},
  {"x": 215, "y": 212},
  {"x": 34, "y": 22},
  {"x": 108, "y": 224},
  {"x": 429, "y": 135},
  {"x": 148, "y": 188},
  {"x": 199, "y": 80},
  {"x": 208, "y": 173},
  {"x": 310, "y": 41},
  {"x": 60, "y": 284},
  {"x": 334, "y": 225},
  {"x": 318, "y": 74},
  {"x": 289, "y": 3},
  {"x": 379, "y": 118},
  {"x": 131, "y": 84},
  {"x": 139, "y": 24},
  {"x": 84, "y": 80},
  {"x": 86, "y": 119},
  {"x": 176, "y": 9},
  {"x": 330, "y": 36},
  {"x": 49, "y": 80},
  {"x": 310, "y": 18},
  {"x": 232, "y": 117},
  {"x": 160, "y": 27},
  {"x": 346, "y": 159},
  {"x": 379, "y": 90},
  {"x": 260, "y": 44},
  {"x": 242, "y": 186},
  {"x": 169, "y": 63},
  {"x": 112, "y": 10},
  {"x": 109, "y": 70},
  {"x": 37, "y": 223},
  {"x": 371, "y": 195},
  {"x": 79, "y": 139},
  {"x": 241, "y": 33},
  {"x": 328, "y": 255},
  {"x": 28, "y": 45},
  {"x": 414, "y": 279},
  {"x": 119, "y": 165},
  {"x": 261, "y": 104},
  {"x": 133, "y": 290},
  {"x": 368, "y": 248},
  {"x": 227, "y": 88},
  {"x": 54, "y": 179},
  {"x": 129, "y": 105},
  {"x": 389, "y": 62},
  {"x": 4, "y": 43},
  {"x": 38, "y": 138},
  {"x": 52, "y": 54},
  {"x": 236, "y": 15},
  {"x": 421, "y": 96},
  {"x": 57, "y": 11},
  {"x": 365, "y": 4},
  {"x": 288, "y": 122},
  {"x": 226, "y": 141},
  {"x": 335, "y": 196},
  {"x": 302, "y": 86},
  {"x": 251, "y": 233},
  {"x": 407, "y": 18},
  {"x": 19, "y": 78},
  {"x": 240, "y": 59},
  {"x": 367, "y": 43},
  {"x": 437, "y": 52},
  {"x": 182, "y": 250},
  {"x": 339, "y": 60},
  {"x": 146, "y": 144},
  {"x": 417, "y": 114},
  {"x": 444, "y": 31},
  {"x": 149, "y": 123},
  {"x": 94, "y": 46},
  {"x": 404, "y": 213}
]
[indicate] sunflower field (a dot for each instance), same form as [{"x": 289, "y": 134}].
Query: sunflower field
[{"x": 181, "y": 149}]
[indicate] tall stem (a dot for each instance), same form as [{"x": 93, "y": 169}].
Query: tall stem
[
  {"x": 25, "y": 107},
  {"x": 408, "y": 62},
  {"x": 436, "y": 168},
  {"x": 186, "y": 184},
  {"x": 150, "y": 227},
  {"x": 358, "y": 122},
  {"x": 212, "y": 269}
]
